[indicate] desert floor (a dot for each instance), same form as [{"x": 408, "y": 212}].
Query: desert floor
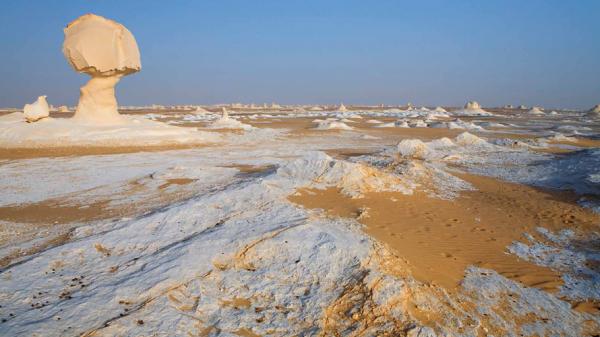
[{"x": 309, "y": 223}]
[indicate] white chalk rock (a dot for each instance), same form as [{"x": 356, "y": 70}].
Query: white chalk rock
[
  {"x": 63, "y": 108},
  {"x": 96, "y": 45},
  {"x": 595, "y": 110},
  {"x": 472, "y": 108},
  {"x": 107, "y": 51},
  {"x": 342, "y": 107},
  {"x": 201, "y": 110},
  {"x": 466, "y": 139},
  {"x": 37, "y": 110},
  {"x": 472, "y": 105},
  {"x": 535, "y": 111},
  {"x": 413, "y": 148},
  {"x": 332, "y": 125}
]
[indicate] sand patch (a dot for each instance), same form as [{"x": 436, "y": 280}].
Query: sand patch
[
  {"x": 440, "y": 238},
  {"x": 176, "y": 181},
  {"x": 52, "y": 211},
  {"x": 26, "y": 153},
  {"x": 237, "y": 303},
  {"x": 578, "y": 141}
]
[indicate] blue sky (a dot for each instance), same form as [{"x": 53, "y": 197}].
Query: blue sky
[{"x": 425, "y": 52}]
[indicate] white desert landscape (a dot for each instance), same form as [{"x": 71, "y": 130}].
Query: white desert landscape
[{"x": 292, "y": 220}]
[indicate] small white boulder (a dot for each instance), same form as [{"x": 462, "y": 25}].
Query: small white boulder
[
  {"x": 413, "y": 148},
  {"x": 37, "y": 110}
]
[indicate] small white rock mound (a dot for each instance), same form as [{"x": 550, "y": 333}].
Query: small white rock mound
[
  {"x": 201, "y": 110},
  {"x": 226, "y": 122},
  {"x": 342, "y": 108},
  {"x": 417, "y": 149},
  {"x": 413, "y": 148},
  {"x": 535, "y": 111},
  {"x": 472, "y": 105},
  {"x": 37, "y": 110},
  {"x": 332, "y": 125},
  {"x": 63, "y": 108},
  {"x": 439, "y": 109},
  {"x": 466, "y": 139},
  {"x": 472, "y": 108},
  {"x": 107, "y": 51}
]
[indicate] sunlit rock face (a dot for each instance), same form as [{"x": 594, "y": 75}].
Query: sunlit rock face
[
  {"x": 536, "y": 111},
  {"x": 107, "y": 51},
  {"x": 472, "y": 105},
  {"x": 37, "y": 110}
]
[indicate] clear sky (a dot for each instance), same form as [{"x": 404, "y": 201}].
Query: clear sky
[{"x": 530, "y": 52}]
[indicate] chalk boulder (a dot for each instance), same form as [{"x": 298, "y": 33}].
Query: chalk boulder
[
  {"x": 472, "y": 105},
  {"x": 472, "y": 108},
  {"x": 536, "y": 111},
  {"x": 413, "y": 148},
  {"x": 37, "y": 110}
]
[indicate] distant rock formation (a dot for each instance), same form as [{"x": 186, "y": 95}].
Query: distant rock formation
[
  {"x": 535, "y": 111},
  {"x": 472, "y": 105}
]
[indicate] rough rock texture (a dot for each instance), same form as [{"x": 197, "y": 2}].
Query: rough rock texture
[
  {"x": 535, "y": 111},
  {"x": 472, "y": 105},
  {"x": 105, "y": 50},
  {"x": 472, "y": 108},
  {"x": 98, "y": 46},
  {"x": 37, "y": 110}
]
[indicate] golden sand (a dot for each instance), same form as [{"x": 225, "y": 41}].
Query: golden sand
[
  {"x": 25, "y": 153},
  {"x": 440, "y": 238},
  {"x": 52, "y": 211}
]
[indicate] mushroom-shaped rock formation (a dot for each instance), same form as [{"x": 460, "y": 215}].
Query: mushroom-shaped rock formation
[
  {"x": 107, "y": 51},
  {"x": 37, "y": 110}
]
